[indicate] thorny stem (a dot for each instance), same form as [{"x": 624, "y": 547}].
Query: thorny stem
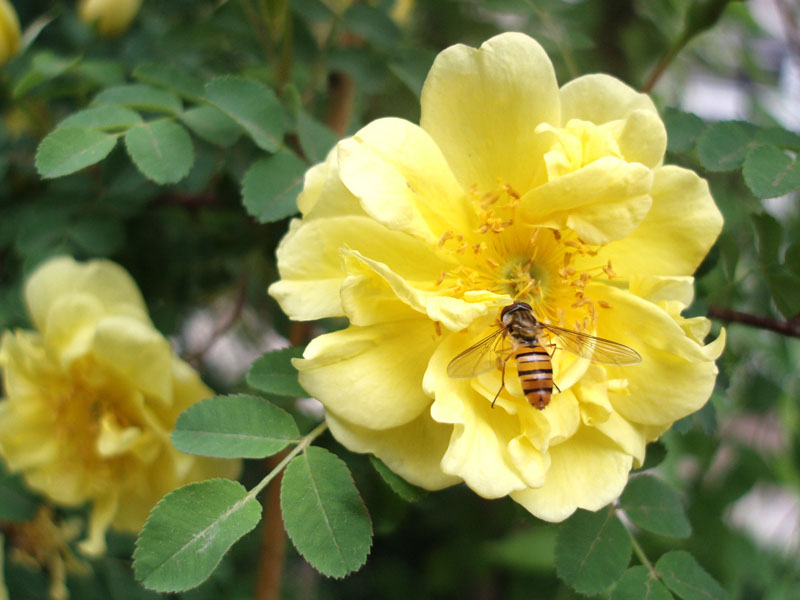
[{"x": 791, "y": 328}]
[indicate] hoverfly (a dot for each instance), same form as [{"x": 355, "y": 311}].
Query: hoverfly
[{"x": 525, "y": 334}]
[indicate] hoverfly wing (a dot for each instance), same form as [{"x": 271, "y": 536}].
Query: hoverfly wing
[
  {"x": 479, "y": 358},
  {"x": 594, "y": 348}
]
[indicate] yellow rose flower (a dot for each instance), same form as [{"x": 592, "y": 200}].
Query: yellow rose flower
[
  {"x": 110, "y": 17},
  {"x": 511, "y": 189},
  {"x": 92, "y": 397},
  {"x": 9, "y": 31}
]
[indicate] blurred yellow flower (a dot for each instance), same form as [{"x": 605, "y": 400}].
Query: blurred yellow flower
[
  {"x": 511, "y": 189},
  {"x": 9, "y": 31},
  {"x": 110, "y": 17},
  {"x": 92, "y": 396}
]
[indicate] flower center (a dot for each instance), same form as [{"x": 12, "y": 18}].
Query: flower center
[{"x": 541, "y": 266}]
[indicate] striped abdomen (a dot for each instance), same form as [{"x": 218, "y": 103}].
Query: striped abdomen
[{"x": 535, "y": 374}]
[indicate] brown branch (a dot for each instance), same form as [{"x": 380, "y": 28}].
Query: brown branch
[
  {"x": 273, "y": 538},
  {"x": 224, "y": 323},
  {"x": 734, "y": 316}
]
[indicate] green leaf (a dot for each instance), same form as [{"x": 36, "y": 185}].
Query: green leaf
[
  {"x": 784, "y": 287},
  {"x": 103, "y": 73},
  {"x": 592, "y": 551},
  {"x": 274, "y": 373},
  {"x": 407, "y": 491},
  {"x": 237, "y": 426},
  {"x": 45, "y": 66},
  {"x": 141, "y": 97},
  {"x": 16, "y": 502},
  {"x": 411, "y": 66},
  {"x": 653, "y": 505},
  {"x": 213, "y": 125},
  {"x": 162, "y": 150},
  {"x": 315, "y": 138},
  {"x": 178, "y": 80},
  {"x": 524, "y": 551},
  {"x": 97, "y": 235},
  {"x": 769, "y": 234},
  {"x": 724, "y": 145},
  {"x": 253, "y": 106},
  {"x": 680, "y": 573},
  {"x": 770, "y": 172},
  {"x": 271, "y": 185},
  {"x": 372, "y": 24},
  {"x": 70, "y": 149},
  {"x": 683, "y": 129},
  {"x": 637, "y": 583},
  {"x": 111, "y": 116},
  {"x": 324, "y": 514},
  {"x": 189, "y": 531},
  {"x": 656, "y": 453},
  {"x": 778, "y": 136}
]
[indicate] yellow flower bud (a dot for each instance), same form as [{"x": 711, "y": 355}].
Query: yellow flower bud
[
  {"x": 110, "y": 17},
  {"x": 92, "y": 396},
  {"x": 9, "y": 31}
]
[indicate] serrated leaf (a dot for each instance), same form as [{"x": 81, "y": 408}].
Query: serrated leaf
[
  {"x": 236, "y": 426},
  {"x": 315, "y": 138},
  {"x": 271, "y": 185},
  {"x": 189, "y": 531},
  {"x": 70, "y": 149},
  {"x": 404, "y": 489},
  {"x": 770, "y": 172},
  {"x": 324, "y": 514},
  {"x": 592, "y": 551},
  {"x": 110, "y": 116},
  {"x": 161, "y": 150},
  {"x": 653, "y": 505},
  {"x": 778, "y": 136},
  {"x": 637, "y": 583},
  {"x": 275, "y": 374},
  {"x": 683, "y": 129},
  {"x": 172, "y": 78},
  {"x": 724, "y": 145},
  {"x": 681, "y": 573},
  {"x": 141, "y": 97},
  {"x": 213, "y": 125},
  {"x": 253, "y": 106}
]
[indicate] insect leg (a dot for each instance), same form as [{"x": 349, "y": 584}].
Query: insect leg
[
  {"x": 502, "y": 379},
  {"x": 554, "y": 347}
]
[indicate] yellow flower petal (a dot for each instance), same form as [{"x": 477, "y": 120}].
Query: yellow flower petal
[
  {"x": 106, "y": 281},
  {"x": 680, "y": 228},
  {"x": 482, "y": 108},
  {"x": 587, "y": 472},
  {"x": 601, "y": 98},
  {"x": 9, "y": 31},
  {"x": 70, "y": 326},
  {"x": 323, "y": 182},
  {"x": 413, "y": 450},
  {"x": 603, "y": 201},
  {"x": 368, "y": 393},
  {"x": 402, "y": 180},
  {"x": 310, "y": 262},
  {"x": 676, "y": 375},
  {"x": 137, "y": 353},
  {"x": 453, "y": 313},
  {"x": 102, "y": 514}
]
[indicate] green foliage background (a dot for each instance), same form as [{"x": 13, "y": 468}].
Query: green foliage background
[{"x": 239, "y": 97}]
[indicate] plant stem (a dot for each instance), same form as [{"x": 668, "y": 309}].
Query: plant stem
[
  {"x": 640, "y": 552},
  {"x": 273, "y": 534},
  {"x": 791, "y": 328}
]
